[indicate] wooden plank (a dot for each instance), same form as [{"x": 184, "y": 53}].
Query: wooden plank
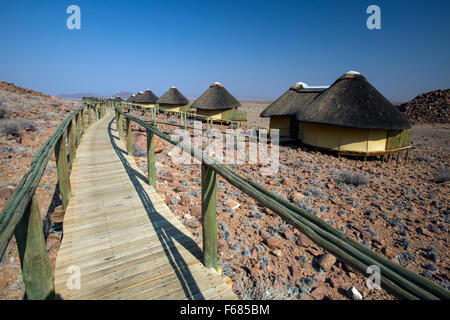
[{"x": 125, "y": 244}]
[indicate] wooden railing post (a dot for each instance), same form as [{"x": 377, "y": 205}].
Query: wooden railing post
[
  {"x": 63, "y": 171},
  {"x": 89, "y": 116},
  {"x": 78, "y": 128},
  {"x": 83, "y": 121},
  {"x": 96, "y": 112},
  {"x": 151, "y": 159},
  {"x": 129, "y": 138},
  {"x": 120, "y": 124},
  {"x": 36, "y": 272},
  {"x": 209, "y": 224},
  {"x": 72, "y": 149}
]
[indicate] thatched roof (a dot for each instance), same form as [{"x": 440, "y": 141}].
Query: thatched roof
[
  {"x": 216, "y": 97},
  {"x": 353, "y": 102},
  {"x": 296, "y": 98},
  {"x": 147, "y": 97},
  {"x": 173, "y": 96},
  {"x": 131, "y": 98}
]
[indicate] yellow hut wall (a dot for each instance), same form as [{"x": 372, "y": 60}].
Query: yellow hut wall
[
  {"x": 342, "y": 139},
  {"x": 282, "y": 123},
  {"x": 170, "y": 107},
  {"x": 216, "y": 114}
]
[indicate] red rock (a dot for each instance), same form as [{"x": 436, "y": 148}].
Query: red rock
[
  {"x": 424, "y": 231},
  {"x": 288, "y": 234},
  {"x": 295, "y": 272},
  {"x": 264, "y": 235},
  {"x": 196, "y": 211},
  {"x": 255, "y": 273},
  {"x": 193, "y": 223},
  {"x": 326, "y": 261},
  {"x": 288, "y": 182},
  {"x": 319, "y": 293},
  {"x": 5, "y": 193},
  {"x": 297, "y": 196},
  {"x": 273, "y": 243},
  {"x": 304, "y": 241},
  {"x": 277, "y": 253}
]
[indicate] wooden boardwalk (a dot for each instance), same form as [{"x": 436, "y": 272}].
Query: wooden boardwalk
[{"x": 120, "y": 235}]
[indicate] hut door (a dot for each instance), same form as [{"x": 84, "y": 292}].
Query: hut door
[{"x": 293, "y": 131}]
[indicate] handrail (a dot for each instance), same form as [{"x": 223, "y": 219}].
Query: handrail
[
  {"x": 396, "y": 279},
  {"x": 21, "y": 214}
]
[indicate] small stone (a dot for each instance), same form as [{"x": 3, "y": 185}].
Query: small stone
[
  {"x": 424, "y": 231},
  {"x": 265, "y": 235},
  {"x": 326, "y": 261},
  {"x": 319, "y": 293},
  {"x": 273, "y": 243},
  {"x": 304, "y": 241},
  {"x": 355, "y": 294},
  {"x": 196, "y": 211}
]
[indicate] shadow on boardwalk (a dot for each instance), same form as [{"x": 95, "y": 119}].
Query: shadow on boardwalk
[{"x": 167, "y": 233}]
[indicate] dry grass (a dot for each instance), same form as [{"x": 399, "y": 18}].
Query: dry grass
[
  {"x": 354, "y": 178},
  {"x": 14, "y": 126}
]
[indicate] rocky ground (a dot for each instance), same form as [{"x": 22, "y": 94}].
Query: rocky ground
[
  {"x": 27, "y": 119},
  {"x": 430, "y": 107},
  {"x": 399, "y": 210}
]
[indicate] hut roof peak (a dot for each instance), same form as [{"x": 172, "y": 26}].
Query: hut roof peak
[{"x": 216, "y": 84}]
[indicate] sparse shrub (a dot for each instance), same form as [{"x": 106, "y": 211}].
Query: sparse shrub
[
  {"x": 14, "y": 126},
  {"x": 255, "y": 289},
  {"x": 9, "y": 127},
  {"x": 138, "y": 151},
  {"x": 3, "y": 111},
  {"x": 354, "y": 178},
  {"x": 424, "y": 158},
  {"x": 443, "y": 176}
]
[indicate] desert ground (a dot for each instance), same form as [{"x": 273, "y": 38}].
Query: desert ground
[{"x": 398, "y": 209}]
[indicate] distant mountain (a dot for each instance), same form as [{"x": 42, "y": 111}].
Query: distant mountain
[
  {"x": 123, "y": 94},
  {"x": 78, "y": 96}
]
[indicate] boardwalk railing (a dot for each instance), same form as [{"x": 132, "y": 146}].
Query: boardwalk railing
[
  {"x": 21, "y": 215},
  {"x": 396, "y": 279}
]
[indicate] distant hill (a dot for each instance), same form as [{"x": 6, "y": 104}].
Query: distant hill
[
  {"x": 123, "y": 94},
  {"x": 78, "y": 96}
]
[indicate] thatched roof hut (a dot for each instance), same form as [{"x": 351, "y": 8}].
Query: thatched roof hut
[
  {"x": 148, "y": 97},
  {"x": 173, "y": 100},
  {"x": 353, "y": 102},
  {"x": 131, "y": 98},
  {"x": 216, "y": 97},
  {"x": 218, "y": 103},
  {"x": 352, "y": 117},
  {"x": 173, "y": 97},
  {"x": 295, "y": 98},
  {"x": 282, "y": 111},
  {"x": 138, "y": 96}
]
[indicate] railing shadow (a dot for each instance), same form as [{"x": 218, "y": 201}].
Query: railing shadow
[{"x": 167, "y": 234}]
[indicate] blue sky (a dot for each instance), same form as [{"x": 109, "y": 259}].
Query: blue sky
[{"x": 257, "y": 49}]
